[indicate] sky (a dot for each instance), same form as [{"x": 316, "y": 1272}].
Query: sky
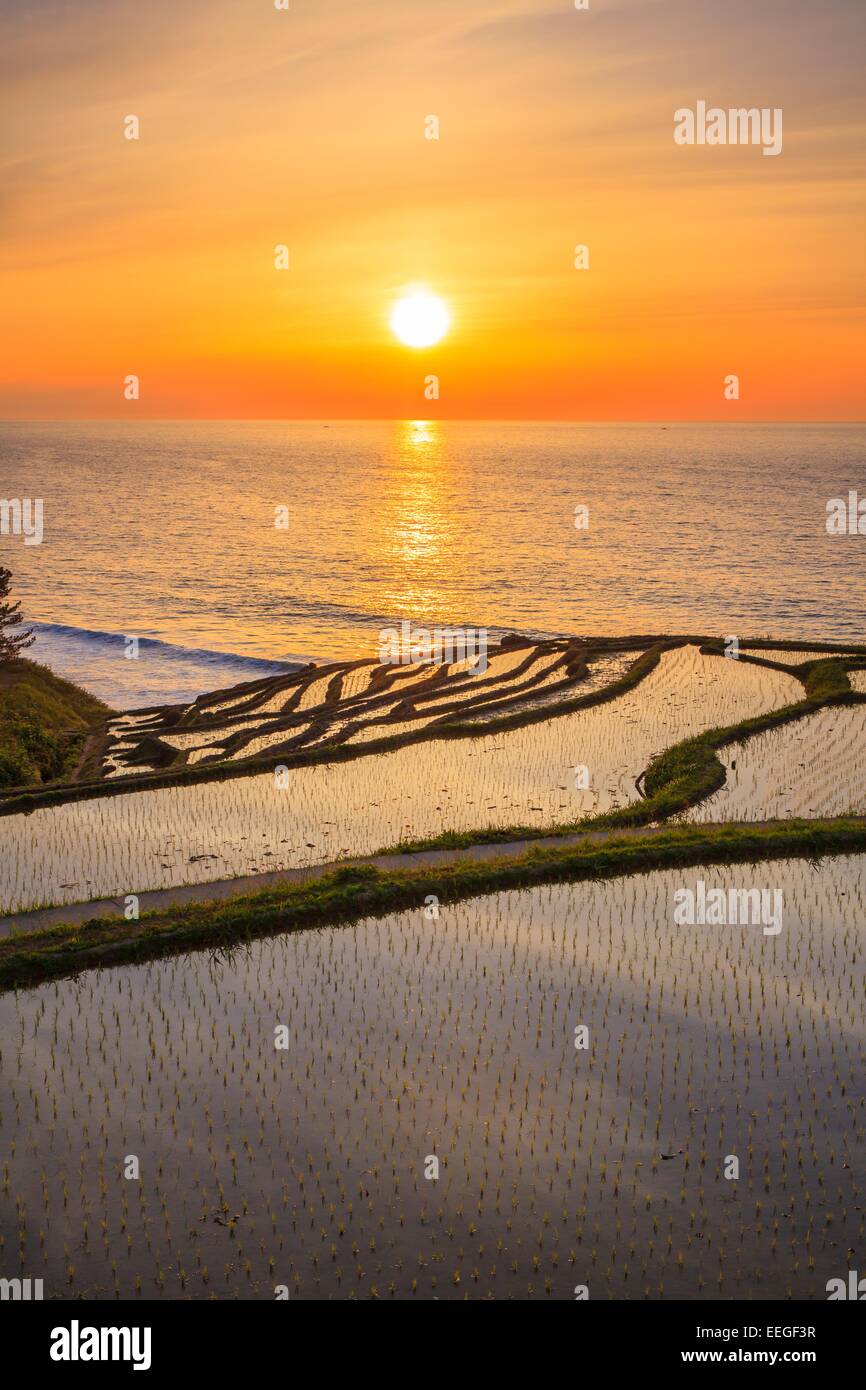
[{"x": 259, "y": 127}]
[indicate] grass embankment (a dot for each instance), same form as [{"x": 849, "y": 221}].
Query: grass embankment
[
  {"x": 44, "y": 721},
  {"x": 355, "y": 892}
]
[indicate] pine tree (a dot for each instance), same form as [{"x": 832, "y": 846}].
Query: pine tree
[{"x": 11, "y": 644}]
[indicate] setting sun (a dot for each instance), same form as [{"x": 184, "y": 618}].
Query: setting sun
[{"x": 420, "y": 319}]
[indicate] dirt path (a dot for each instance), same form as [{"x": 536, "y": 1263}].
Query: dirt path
[
  {"x": 251, "y": 883},
  {"x": 22, "y": 923}
]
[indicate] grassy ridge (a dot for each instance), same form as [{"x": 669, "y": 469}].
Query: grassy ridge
[
  {"x": 354, "y": 892},
  {"x": 43, "y": 722}
]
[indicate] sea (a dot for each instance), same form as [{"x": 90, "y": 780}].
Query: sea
[{"x": 179, "y": 557}]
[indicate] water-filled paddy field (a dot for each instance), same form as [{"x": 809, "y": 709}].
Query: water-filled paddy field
[
  {"x": 813, "y": 767},
  {"x": 345, "y": 703},
  {"x": 525, "y": 776},
  {"x": 414, "y": 1037},
  {"x": 791, "y": 656}
]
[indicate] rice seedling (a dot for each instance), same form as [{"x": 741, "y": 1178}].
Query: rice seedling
[{"x": 790, "y": 656}]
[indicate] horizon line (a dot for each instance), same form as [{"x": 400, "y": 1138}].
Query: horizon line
[{"x": 398, "y": 419}]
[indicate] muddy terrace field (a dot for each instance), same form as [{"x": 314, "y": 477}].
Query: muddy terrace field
[{"x": 413, "y": 1037}]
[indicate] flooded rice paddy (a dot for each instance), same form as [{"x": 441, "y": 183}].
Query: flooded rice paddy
[
  {"x": 343, "y": 701},
  {"x": 814, "y": 767},
  {"x": 415, "y": 1040},
  {"x": 791, "y": 657},
  {"x": 605, "y": 670},
  {"x": 312, "y": 815},
  {"x": 356, "y": 702}
]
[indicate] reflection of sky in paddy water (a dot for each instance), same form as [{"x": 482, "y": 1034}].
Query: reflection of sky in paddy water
[
  {"x": 455, "y": 1037},
  {"x": 814, "y": 767}
]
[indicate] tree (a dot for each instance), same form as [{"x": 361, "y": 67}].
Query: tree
[{"x": 11, "y": 644}]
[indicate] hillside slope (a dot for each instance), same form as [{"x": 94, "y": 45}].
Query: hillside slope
[{"x": 43, "y": 723}]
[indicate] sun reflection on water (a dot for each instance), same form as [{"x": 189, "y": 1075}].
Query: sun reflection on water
[{"x": 419, "y": 523}]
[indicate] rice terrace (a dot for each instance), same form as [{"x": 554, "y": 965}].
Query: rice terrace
[
  {"x": 432, "y": 675},
  {"x": 405, "y": 1005}
]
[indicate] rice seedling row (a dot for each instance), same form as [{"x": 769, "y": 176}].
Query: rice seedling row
[{"x": 815, "y": 767}]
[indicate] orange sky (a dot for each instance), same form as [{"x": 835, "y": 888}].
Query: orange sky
[{"x": 260, "y": 127}]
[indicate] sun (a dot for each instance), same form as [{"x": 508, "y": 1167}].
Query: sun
[{"x": 420, "y": 319}]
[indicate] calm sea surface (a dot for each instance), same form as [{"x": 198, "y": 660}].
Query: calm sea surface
[{"x": 166, "y": 531}]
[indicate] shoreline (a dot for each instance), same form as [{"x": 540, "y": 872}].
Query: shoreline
[{"x": 174, "y": 672}]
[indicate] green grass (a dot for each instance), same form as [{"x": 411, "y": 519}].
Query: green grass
[
  {"x": 824, "y": 679},
  {"x": 43, "y": 723},
  {"x": 354, "y": 892}
]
